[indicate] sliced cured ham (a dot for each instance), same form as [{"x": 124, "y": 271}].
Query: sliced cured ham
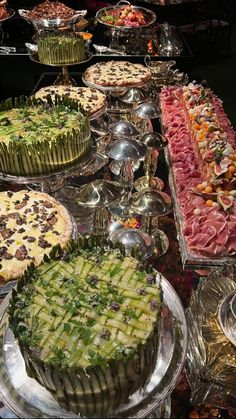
[{"x": 194, "y": 116}]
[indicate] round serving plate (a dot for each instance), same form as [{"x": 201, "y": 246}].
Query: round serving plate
[
  {"x": 148, "y": 14},
  {"x": 34, "y": 57},
  {"x": 11, "y": 13},
  {"x": 116, "y": 90},
  {"x": 27, "y": 398},
  {"x": 48, "y": 24}
]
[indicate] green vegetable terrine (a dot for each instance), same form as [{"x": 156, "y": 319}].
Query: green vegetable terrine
[
  {"x": 60, "y": 49},
  {"x": 41, "y": 138},
  {"x": 87, "y": 326}
]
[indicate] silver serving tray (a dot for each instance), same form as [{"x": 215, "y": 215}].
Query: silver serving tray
[
  {"x": 52, "y": 23},
  {"x": 27, "y": 398},
  {"x": 148, "y": 14},
  {"x": 189, "y": 259}
]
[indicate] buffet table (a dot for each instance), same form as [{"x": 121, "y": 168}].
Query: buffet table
[{"x": 132, "y": 128}]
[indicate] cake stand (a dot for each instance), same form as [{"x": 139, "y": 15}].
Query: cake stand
[
  {"x": 11, "y": 13},
  {"x": 27, "y": 398},
  {"x": 63, "y": 77},
  {"x": 52, "y": 182},
  {"x": 116, "y": 93}
]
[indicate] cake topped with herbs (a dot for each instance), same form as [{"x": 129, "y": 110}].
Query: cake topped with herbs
[
  {"x": 94, "y": 314},
  {"x": 39, "y": 137}
]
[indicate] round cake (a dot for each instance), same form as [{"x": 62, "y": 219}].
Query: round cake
[
  {"x": 91, "y": 100},
  {"x": 66, "y": 48},
  {"x": 38, "y": 138},
  {"x": 117, "y": 73},
  {"x": 31, "y": 224},
  {"x": 87, "y": 326}
]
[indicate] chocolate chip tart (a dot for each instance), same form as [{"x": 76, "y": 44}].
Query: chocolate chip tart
[{"x": 31, "y": 224}]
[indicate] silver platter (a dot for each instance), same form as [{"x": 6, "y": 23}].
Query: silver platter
[
  {"x": 52, "y": 23},
  {"x": 120, "y": 90},
  {"x": 34, "y": 57},
  {"x": 148, "y": 14},
  {"x": 11, "y": 13},
  {"x": 26, "y": 398}
]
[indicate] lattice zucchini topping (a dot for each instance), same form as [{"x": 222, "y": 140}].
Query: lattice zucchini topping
[{"x": 88, "y": 312}]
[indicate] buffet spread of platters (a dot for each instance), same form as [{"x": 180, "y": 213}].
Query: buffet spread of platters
[{"x": 94, "y": 330}]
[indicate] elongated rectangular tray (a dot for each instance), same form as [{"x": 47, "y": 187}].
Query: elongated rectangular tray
[{"x": 189, "y": 259}]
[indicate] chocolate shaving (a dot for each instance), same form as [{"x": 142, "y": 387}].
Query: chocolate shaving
[
  {"x": 6, "y": 233},
  {"x": 21, "y": 253},
  {"x": 21, "y": 205}
]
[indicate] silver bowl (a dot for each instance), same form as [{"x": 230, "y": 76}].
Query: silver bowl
[
  {"x": 147, "y": 110},
  {"x": 123, "y": 129},
  {"x": 126, "y": 150},
  {"x": 131, "y": 239}
]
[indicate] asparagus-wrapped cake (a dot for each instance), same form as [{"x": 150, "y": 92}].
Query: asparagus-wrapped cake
[
  {"x": 87, "y": 327},
  {"x": 60, "y": 48},
  {"x": 41, "y": 138}
]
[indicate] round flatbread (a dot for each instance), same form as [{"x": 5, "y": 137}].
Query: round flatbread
[
  {"x": 31, "y": 223},
  {"x": 117, "y": 73},
  {"x": 90, "y": 99}
]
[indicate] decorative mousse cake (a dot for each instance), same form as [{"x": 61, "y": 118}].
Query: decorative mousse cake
[
  {"x": 87, "y": 327},
  {"x": 41, "y": 138},
  {"x": 66, "y": 48},
  {"x": 31, "y": 223},
  {"x": 91, "y": 100}
]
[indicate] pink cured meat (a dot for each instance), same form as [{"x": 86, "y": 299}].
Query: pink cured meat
[{"x": 208, "y": 231}]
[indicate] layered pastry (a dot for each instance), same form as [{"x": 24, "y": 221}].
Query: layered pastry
[
  {"x": 41, "y": 138},
  {"x": 66, "y": 48},
  {"x": 31, "y": 223},
  {"x": 91, "y": 100},
  {"x": 117, "y": 73},
  {"x": 202, "y": 146},
  {"x": 87, "y": 326}
]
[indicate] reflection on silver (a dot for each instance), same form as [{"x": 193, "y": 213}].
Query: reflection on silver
[
  {"x": 123, "y": 129},
  {"x": 98, "y": 193},
  {"x": 147, "y": 110},
  {"x": 126, "y": 150},
  {"x": 151, "y": 203},
  {"x": 48, "y": 24},
  {"x": 135, "y": 95},
  {"x": 26, "y": 398},
  {"x": 154, "y": 140},
  {"x": 134, "y": 239},
  {"x": 227, "y": 317},
  {"x": 100, "y": 125},
  {"x": 115, "y": 166}
]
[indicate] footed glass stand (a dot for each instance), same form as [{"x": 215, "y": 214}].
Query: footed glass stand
[
  {"x": 63, "y": 77},
  {"x": 54, "y": 181}
]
